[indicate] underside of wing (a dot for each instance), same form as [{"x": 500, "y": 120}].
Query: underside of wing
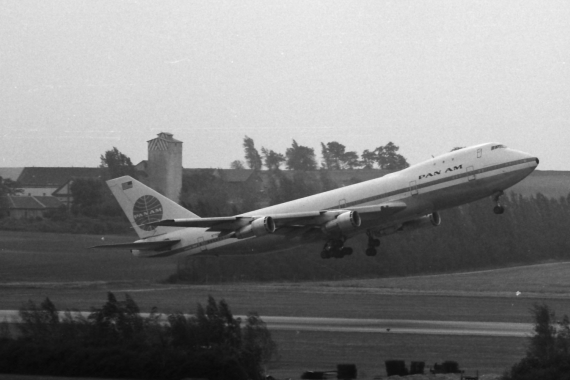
[
  {"x": 141, "y": 246},
  {"x": 213, "y": 224}
]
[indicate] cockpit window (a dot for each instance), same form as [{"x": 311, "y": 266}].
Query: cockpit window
[{"x": 498, "y": 147}]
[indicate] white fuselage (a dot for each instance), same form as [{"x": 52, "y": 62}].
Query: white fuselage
[{"x": 449, "y": 180}]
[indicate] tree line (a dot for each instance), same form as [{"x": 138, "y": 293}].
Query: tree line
[
  {"x": 116, "y": 341},
  {"x": 334, "y": 157}
]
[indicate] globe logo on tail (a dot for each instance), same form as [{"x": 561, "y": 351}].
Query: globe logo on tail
[{"x": 147, "y": 209}]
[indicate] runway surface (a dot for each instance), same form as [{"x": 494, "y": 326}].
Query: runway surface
[{"x": 381, "y": 326}]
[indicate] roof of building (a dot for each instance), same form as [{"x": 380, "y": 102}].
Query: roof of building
[
  {"x": 54, "y": 176},
  {"x": 49, "y": 202},
  {"x": 235, "y": 175},
  {"x": 33, "y": 203},
  {"x": 11, "y": 173},
  {"x": 165, "y": 136}
]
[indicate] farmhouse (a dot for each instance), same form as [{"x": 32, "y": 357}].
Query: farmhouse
[{"x": 19, "y": 207}]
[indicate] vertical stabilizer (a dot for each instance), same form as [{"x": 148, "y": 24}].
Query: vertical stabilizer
[{"x": 143, "y": 205}]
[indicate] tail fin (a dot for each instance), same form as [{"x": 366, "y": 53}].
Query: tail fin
[{"x": 143, "y": 205}]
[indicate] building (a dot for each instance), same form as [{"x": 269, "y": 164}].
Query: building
[
  {"x": 164, "y": 165},
  {"x": 19, "y": 207},
  {"x": 44, "y": 181}
]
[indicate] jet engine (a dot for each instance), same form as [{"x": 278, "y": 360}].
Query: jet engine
[
  {"x": 345, "y": 222},
  {"x": 429, "y": 220},
  {"x": 258, "y": 227}
]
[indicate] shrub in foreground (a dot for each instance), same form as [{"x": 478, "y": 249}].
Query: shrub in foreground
[
  {"x": 548, "y": 353},
  {"x": 116, "y": 341}
]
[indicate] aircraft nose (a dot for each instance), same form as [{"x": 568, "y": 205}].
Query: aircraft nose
[{"x": 528, "y": 157}]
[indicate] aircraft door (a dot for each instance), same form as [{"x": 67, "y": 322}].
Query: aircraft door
[
  {"x": 479, "y": 153},
  {"x": 203, "y": 246},
  {"x": 470, "y": 173},
  {"x": 413, "y": 188},
  {"x": 342, "y": 204}
]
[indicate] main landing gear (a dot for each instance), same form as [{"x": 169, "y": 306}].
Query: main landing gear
[
  {"x": 373, "y": 243},
  {"x": 499, "y": 208},
  {"x": 335, "y": 248}
]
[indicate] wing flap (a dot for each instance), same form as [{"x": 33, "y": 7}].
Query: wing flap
[
  {"x": 213, "y": 224},
  {"x": 141, "y": 246}
]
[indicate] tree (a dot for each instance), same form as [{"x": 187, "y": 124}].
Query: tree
[
  {"x": 351, "y": 160},
  {"x": 7, "y": 187},
  {"x": 117, "y": 164},
  {"x": 547, "y": 354},
  {"x": 88, "y": 195},
  {"x": 335, "y": 157},
  {"x": 237, "y": 165},
  {"x": 252, "y": 156},
  {"x": 389, "y": 159},
  {"x": 369, "y": 158},
  {"x": 272, "y": 159},
  {"x": 300, "y": 157}
]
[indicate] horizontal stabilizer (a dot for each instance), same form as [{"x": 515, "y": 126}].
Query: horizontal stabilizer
[{"x": 141, "y": 246}]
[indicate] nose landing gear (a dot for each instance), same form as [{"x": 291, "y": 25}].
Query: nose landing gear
[{"x": 499, "y": 208}]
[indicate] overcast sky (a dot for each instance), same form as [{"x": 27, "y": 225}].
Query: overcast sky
[{"x": 80, "y": 77}]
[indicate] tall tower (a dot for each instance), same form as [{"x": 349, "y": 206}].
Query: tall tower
[{"x": 165, "y": 165}]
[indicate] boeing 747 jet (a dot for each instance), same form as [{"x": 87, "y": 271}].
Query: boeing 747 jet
[{"x": 402, "y": 201}]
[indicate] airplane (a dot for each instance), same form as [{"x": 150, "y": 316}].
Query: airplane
[{"x": 402, "y": 201}]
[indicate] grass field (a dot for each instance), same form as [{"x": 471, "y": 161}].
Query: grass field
[{"x": 35, "y": 266}]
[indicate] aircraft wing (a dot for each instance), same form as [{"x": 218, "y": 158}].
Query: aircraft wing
[
  {"x": 224, "y": 223},
  {"x": 141, "y": 246},
  {"x": 380, "y": 213}
]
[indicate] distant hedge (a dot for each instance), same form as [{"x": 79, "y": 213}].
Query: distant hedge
[{"x": 115, "y": 341}]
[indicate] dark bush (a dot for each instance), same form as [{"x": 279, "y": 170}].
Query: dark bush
[
  {"x": 548, "y": 352},
  {"x": 115, "y": 341},
  {"x": 396, "y": 367},
  {"x": 417, "y": 368}
]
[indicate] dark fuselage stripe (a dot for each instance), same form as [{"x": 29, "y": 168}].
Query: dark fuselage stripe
[{"x": 433, "y": 183}]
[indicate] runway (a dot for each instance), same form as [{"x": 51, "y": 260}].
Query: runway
[{"x": 376, "y": 326}]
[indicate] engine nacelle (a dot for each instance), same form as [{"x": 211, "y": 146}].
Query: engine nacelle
[
  {"x": 430, "y": 220},
  {"x": 345, "y": 222},
  {"x": 258, "y": 227}
]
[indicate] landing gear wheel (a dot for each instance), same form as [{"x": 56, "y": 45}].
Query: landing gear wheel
[
  {"x": 373, "y": 243},
  {"x": 371, "y": 251},
  {"x": 498, "y": 209},
  {"x": 335, "y": 248}
]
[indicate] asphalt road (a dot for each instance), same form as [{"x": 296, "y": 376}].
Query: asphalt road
[{"x": 380, "y": 326}]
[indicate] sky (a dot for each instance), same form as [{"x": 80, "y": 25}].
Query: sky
[{"x": 78, "y": 78}]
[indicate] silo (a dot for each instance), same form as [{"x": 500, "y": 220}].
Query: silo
[{"x": 165, "y": 165}]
